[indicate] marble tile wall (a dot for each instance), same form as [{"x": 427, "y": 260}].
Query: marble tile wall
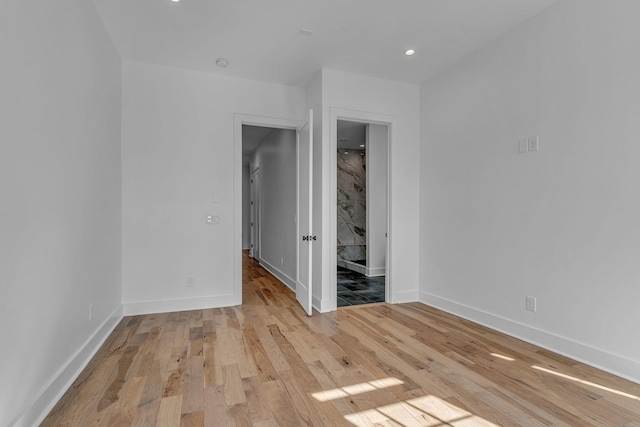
[{"x": 352, "y": 201}]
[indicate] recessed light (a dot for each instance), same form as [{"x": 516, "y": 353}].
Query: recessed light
[
  {"x": 305, "y": 31},
  {"x": 346, "y": 152},
  {"x": 361, "y": 145},
  {"x": 175, "y": 1},
  {"x": 409, "y": 52},
  {"x": 222, "y": 62}
]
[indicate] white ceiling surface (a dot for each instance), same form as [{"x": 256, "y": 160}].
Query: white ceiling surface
[{"x": 261, "y": 38}]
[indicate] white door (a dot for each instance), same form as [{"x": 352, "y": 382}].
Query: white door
[{"x": 306, "y": 238}]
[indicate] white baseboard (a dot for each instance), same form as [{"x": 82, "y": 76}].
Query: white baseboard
[
  {"x": 374, "y": 271},
  {"x": 322, "y": 306},
  {"x": 51, "y": 393},
  {"x": 402, "y": 297},
  {"x": 134, "y": 308},
  {"x": 612, "y": 363},
  {"x": 291, "y": 284}
]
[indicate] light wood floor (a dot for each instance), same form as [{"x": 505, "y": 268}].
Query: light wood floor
[{"x": 266, "y": 364}]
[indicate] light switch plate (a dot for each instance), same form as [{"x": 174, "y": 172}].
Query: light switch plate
[
  {"x": 523, "y": 145},
  {"x": 532, "y": 144}
]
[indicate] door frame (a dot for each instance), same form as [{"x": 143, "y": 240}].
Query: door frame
[
  {"x": 240, "y": 119},
  {"x": 255, "y": 218},
  {"x": 330, "y": 269}
]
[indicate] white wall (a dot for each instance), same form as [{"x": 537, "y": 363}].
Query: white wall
[
  {"x": 399, "y": 101},
  {"x": 377, "y": 175},
  {"x": 276, "y": 159},
  {"x": 560, "y": 224},
  {"x": 178, "y": 146},
  {"x": 60, "y": 207}
]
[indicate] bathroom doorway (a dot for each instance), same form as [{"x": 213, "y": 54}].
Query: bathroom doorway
[{"x": 362, "y": 212}]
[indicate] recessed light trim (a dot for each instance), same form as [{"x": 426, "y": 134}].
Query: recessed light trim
[
  {"x": 222, "y": 62},
  {"x": 175, "y": 1},
  {"x": 410, "y": 52}
]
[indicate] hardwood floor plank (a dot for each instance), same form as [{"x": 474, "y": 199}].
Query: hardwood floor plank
[
  {"x": 215, "y": 407},
  {"x": 192, "y": 419},
  {"x": 233, "y": 388},
  {"x": 266, "y": 363},
  {"x": 192, "y": 396},
  {"x": 149, "y": 405},
  {"x": 170, "y": 411}
]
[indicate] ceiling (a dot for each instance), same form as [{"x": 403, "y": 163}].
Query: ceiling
[{"x": 261, "y": 39}]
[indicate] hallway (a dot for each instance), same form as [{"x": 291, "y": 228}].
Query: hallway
[{"x": 266, "y": 363}]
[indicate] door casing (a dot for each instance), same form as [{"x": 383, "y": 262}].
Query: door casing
[
  {"x": 239, "y": 120},
  {"x": 330, "y": 233}
]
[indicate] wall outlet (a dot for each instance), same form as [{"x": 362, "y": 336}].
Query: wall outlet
[
  {"x": 191, "y": 282},
  {"x": 90, "y": 311},
  {"x": 530, "y": 304}
]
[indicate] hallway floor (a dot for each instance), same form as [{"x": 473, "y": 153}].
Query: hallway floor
[{"x": 357, "y": 289}]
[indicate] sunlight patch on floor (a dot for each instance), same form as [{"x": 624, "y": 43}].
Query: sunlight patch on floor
[
  {"x": 352, "y": 390},
  {"x": 429, "y": 411},
  {"x": 500, "y": 356},
  {"x": 590, "y": 384}
]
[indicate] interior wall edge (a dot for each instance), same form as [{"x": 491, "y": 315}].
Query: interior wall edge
[
  {"x": 597, "y": 358},
  {"x": 51, "y": 393}
]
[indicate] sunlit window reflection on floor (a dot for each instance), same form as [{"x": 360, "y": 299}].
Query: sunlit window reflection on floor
[
  {"x": 430, "y": 411},
  {"x": 352, "y": 390},
  {"x": 588, "y": 383},
  {"x": 503, "y": 357}
]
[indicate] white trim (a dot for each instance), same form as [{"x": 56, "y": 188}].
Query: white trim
[
  {"x": 598, "y": 358},
  {"x": 52, "y": 392},
  {"x": 374, "y": 271},
  {"x": 321, "y": 306},
  {"x": 403, "y": 297},
  {"x": 331, "y": 235},
  {"x": 288, "y": 281},
  {"x": 239, "y": 120},
  {"x": 135, "y": 308}
]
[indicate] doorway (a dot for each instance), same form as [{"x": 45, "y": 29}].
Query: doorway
[
  {"x": 275, "y": 156},
  {"x": 362, "y": 212}
]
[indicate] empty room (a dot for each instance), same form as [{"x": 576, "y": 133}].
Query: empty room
[{"x": 340, "y": 213}]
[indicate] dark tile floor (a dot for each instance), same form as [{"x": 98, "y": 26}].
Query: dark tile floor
[{"x": 356, "y": 289}]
